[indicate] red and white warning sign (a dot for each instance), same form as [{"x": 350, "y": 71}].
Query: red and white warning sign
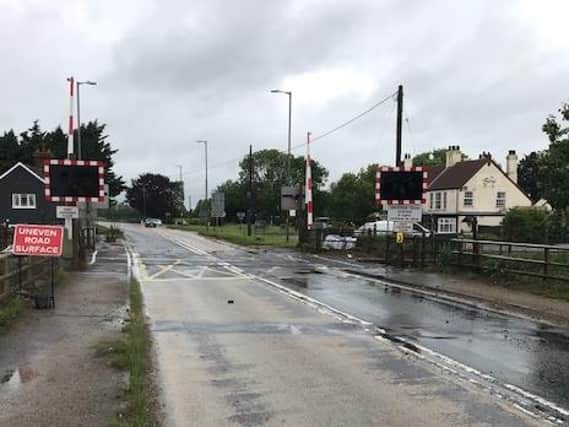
[{"x": 38, "y": 240}]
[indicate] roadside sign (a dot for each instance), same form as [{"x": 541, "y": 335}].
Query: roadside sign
[
  {"x": 289, "y": 197},
  {"x": 404, "y": 213},
  {"x": 400, "y": 186},
  {"x": 67, "y": 212},
  {"x": 38, "y": 240},
  {"x": 218, "y": 205},
  {"x": 403, "y": 227},
  {"x": 399, "y": 237},
  {"x": 292, "y": 213},
  {"x": 74, "y": 180}
]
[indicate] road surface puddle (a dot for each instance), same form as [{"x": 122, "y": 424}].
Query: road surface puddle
[{"x": 14, "y": 378}]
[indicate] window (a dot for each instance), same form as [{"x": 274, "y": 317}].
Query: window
[
  {"x": 468, "y": 199},
  {"x": 501, "y": 200},
  {"x": 431, "y": 197},
  {"x": 446, "y": 225},
  {"x": 438, "y": 200},
  {"x": 445, "y": 200},
  {"x": 23, "y": 201}
]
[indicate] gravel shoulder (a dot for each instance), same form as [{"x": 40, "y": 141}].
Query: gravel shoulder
[{"x": 48, "y": 372}]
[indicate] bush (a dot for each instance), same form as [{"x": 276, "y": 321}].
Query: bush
[
  {"x": 534, "y": 225},
  {"x": 525, "y": 225}
]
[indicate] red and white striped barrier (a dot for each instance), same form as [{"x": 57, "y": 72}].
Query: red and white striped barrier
[{"x": 70, "y": 127}]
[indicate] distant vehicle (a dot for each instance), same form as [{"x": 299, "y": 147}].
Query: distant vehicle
[
  {"x": 385, "y": 227},
  {"x": 152, "y": 222}
]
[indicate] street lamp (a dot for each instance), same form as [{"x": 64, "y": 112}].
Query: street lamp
[
  {"x": 90, "y": 83},
  {"x": 289, "y": 147},
  {"x": 204, "y": 142}
]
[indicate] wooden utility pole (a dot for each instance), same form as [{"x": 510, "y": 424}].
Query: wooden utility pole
[
  {"x": 250, "y": 192},
  {"x": 399, "y": 126}
]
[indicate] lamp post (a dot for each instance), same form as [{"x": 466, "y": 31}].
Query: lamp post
[
  {"x": 90, "y": 83},
  {"x": 204, "y": 142},
  {"x": 288, "y": 177}
]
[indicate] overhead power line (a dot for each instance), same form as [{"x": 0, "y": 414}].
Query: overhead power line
[
  {"x": 312, "y": 140},
  {"x": 348, "y": 122}
]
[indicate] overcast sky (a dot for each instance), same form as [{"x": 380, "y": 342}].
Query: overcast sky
[{"x": 479, "y": 74}]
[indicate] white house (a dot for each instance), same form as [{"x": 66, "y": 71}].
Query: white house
[{"x": 473, "y": 188}]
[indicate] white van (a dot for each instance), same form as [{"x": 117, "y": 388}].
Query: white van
[{"x": 384, "y": 227}]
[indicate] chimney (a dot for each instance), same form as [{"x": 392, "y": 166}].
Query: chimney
[
  {"x": 41, "y": 154},
  {"x": 453, "y": 156},
  {"x": 407, "y": 161},
  {"x": 512, "y": 165}
]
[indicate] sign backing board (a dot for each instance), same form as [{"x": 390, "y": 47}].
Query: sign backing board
[
  {"x": 289, "y": 197},
  {"x": 38, "y": 240},
  {"x": 74, "y": 180},
  {"x": 218, "y": 205},
  {"x": 400, "y": 186},
  {"x": 404, "y": 213},
  {"x": 67, "y": 212}
]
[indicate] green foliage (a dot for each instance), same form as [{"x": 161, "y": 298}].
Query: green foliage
[
  {"x": 120, "y": 212},
  {"x": 94, "y": 142},
  {"x": 525, "y": 225},
  {"x": 352, "y": 198},
  {"x": 270, "y": 174},
  {"x": 10, "y": 309},
  {"x": 154, "y": 196},
  {"x": 529, "y": 175},
  {"x": 433, "y": 159},
  {"x": 554, "y": 167}
]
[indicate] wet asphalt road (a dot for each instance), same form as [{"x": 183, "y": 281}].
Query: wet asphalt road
[{"x": 234, "y": 351}]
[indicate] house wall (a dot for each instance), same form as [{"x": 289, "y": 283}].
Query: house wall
[
  {"x": 485, "y": 185},
  {"x": 21, "y": 181}
]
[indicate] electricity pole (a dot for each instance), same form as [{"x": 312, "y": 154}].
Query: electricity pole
[
  {"x": 250, "y": 192},
  {"x": 399, "y": 126}
]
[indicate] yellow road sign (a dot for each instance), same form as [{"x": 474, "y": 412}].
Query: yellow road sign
[{"x": 399, "y": 237}]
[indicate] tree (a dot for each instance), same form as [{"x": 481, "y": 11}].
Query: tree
[
  {"x": 235, "y": 198},
  {"x": 153, "y": 195},
  {"x": 270, "y": 174},
  {"x": 434, "y": 159},
  {"x": 352, "y": 197},
  {"x": 529, "y": 175},
  {"x": 95, "y": 146},
  {"x": 554, "y": 167}
]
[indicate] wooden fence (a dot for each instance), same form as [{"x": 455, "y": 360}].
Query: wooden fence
[
  {"x": 19, "y": 274},
  {"x": 547, "y": 262}
]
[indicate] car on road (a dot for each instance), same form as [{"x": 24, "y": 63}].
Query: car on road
[
  {"x": 152, "y": 222},
  {"x": 385, "y": 227}
]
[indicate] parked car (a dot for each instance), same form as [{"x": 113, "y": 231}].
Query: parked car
[
  {"x": 385, "y": 227},
  {"x": 152, "y": 222}
]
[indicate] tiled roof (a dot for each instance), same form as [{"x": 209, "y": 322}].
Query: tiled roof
[{"x": 458, "y": 175}]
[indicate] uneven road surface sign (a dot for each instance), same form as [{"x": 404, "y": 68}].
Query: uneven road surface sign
[{"x": 38, "y": 240}]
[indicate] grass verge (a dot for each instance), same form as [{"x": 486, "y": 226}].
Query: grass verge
[
  {"x": 10, "y": 309},
  {"x": 271, "y": 236},
  {"x": 133, "y": 354}
]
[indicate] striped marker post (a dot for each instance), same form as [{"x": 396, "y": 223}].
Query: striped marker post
[
  {"x": 309, "y": 207},
  {"x": 70, "y": 128}
]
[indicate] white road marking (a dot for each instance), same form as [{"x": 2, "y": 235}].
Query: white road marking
[
  {"x": 164, "y": 269},
  {"x": 93, "y": 258},
  {"x": 448, "y": 362}
]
